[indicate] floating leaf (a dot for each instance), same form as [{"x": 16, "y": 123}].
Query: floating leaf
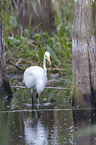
[
  {"x": 24, "y": 39},
  {"x": 37, "y": 36},
  {"x": 13, "y": 21},
  {"x": 40, "y": 54},
  {"x": 14, "y": 40},
  {"x": 6, "y": 18}
]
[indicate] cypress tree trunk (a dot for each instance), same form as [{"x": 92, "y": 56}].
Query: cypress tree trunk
[
  {"x": 37, "y": 15},
  {"x": 84, "y": 53},
  {"x": 4, "y": 82}
]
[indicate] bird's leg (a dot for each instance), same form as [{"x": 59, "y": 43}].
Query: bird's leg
[
  {"x": 37, "y": 99},
  {"x": 32, "y": 97},
  {"x": 32, "y": 100}
]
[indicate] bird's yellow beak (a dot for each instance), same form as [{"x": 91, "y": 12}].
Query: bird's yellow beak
[{"x": 48, "y": 58}]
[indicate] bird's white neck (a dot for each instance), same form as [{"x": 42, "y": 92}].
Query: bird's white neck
[{"x": 44, "y": 66}]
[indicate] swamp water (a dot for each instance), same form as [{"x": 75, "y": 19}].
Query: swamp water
[{"x": 54, "y": 123}]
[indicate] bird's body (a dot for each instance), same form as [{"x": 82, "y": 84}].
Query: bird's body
[{"x": 35, "y": 77}]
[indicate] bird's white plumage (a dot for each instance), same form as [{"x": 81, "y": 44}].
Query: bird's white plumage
[
  {"x": 34, "y": 78},
  {"x": 47, "y": 53}
]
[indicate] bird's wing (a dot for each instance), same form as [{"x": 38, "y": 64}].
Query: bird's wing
[
  {"x": 40, "y": 85},
  {"x": 34, "y": 75},
  {"x": 29, "y": 78}
]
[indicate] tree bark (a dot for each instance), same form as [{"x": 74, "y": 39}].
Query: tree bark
[
  {"x": 5, "y": 89},
  {"x": 39, "y": 14},
  {"x": 84, "y": 53}
]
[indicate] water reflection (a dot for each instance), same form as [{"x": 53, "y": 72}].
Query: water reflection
[
  {"x": 84, "y": 125},
  {"x": 47, "y": 126},
  {"x": 35, "y": 132},
  {"x": 38, "y": 127}
]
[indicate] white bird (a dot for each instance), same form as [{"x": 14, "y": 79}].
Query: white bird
[{"x": 35, "y": 77}]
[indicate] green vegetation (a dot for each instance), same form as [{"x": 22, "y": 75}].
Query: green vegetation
[
  {"x": 23, "y": 46},
  {"x": 27, "y": 48}
]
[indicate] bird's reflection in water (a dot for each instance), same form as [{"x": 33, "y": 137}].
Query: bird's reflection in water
[{"x": 35, "y": 132}]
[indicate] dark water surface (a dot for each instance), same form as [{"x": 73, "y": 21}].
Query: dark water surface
[
  {"x": 48, "y": 127},
  {"x": 54, "y": 123}
]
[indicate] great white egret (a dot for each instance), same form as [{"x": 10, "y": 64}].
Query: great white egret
[{"x": 35, "y": 77}]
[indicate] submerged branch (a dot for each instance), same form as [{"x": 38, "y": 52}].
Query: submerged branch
[
  {"x": 16, "y": 65},
  {"x": 59, "y": 88}
]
